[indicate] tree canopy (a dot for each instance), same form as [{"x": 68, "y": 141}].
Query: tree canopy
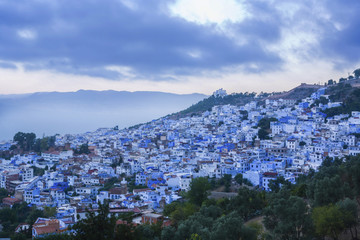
[{"x": 198, "y": 192}]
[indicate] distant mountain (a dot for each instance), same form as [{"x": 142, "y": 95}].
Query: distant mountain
[{"x": 75, "y": 112}]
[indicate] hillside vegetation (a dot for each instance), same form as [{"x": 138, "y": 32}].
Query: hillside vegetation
[
  {"x": 239, "y": 99},
  {"x": 348, "y": 95},
  {"x": 207, "y": 103},
  {"x": 298, "y": 93}
]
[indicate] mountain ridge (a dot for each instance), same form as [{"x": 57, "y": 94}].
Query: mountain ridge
[{"x": 74, "y": 112}]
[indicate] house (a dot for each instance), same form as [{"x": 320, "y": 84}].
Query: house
[
  {"x": 124, "y": 168},
  {"x": 58, "y": 196},
  {"x": 173, "y": 182},
  {"x": 117, "y": 193},
  {"x": 292, "y": 143},
  {"x": 102, "y": 196},
  {"x": 255, "y": 177},
  {"x": 51, "y": 156},
  {"x": 185, "y": 182},
  {"x": 7, "y": 177},
  {"x": 26, "y": 174},
  {"x": 267, "y": 177},
  {"x": 67, "y": 211},
  {"x": 151, "y": 218},
  {"x": 84, "y": 190},
  {"x": 10, "y": 201},
  {"x": 46, "y": 226},
  {"x": 22, "y": 227},
  {"x": 30, "y": 193}
]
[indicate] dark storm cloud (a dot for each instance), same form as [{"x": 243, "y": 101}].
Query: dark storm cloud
[
  {"x": 82, "y": 37},
  {"x": 342, "y": 43},
  {"x": 336, "y": 25}
]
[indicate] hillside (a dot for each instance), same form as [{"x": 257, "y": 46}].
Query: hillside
[
  {"x": 300, "y": 92},
  {"x": 207, "y": 103},
  {"x": 297, "y": 93},
  {"x": 348, "y": 94}
]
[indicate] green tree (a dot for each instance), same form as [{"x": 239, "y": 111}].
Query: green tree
[
  {"x": 44, "y": 144},
  {"x": 53, "y": 168},
  {"x": 287, "y": 217},
  {"x": 328, "y": 190},
  {"x": 299, "y": 190},
  {"x": 96, "y": 226},
  {"x": 349, "y": 212},
  {"x": 227, "y": 181},
  {"x": 109, "y": 183},
  {"x": 264, "y": 125},
  {"x": 211, "y": 211},
  {"x": 168, "y": 233},
  {"x": 196, "y": 224},
  {"x": 11, "y": 217},
  {"x": 33, "y": 215},
  {"x": 357, "y": 73},
  {"x": 148, "y": 231},
  {"x": 239, "y": 178},
  {"x": 199, "y": 190},
  {"x": 247, "y": 182},
  {"x": 258, "y": 228},
  {"x": 248, "y": 203},
  {"x": 170, "y": 208},
  {"x": 38, "y": 171},
  {"x": 265, "y": 122},
  {"x": 328, "y": 221},
  {"x": 3, "y": 193},
  {"x": 352, "y": 166},
  {"x": 195, "y": 236},
  {"x": 83, "y": 149},
  {"x": 25, "y": 140},
  {"x": 126, "y": 231},
  {"x": 49, "y": 211},
  {"x": 263, "y": 134},
  {"x": 275, "y": 185},
  {"x": 342, "y": 80},
  {"x": 182, "y": 212},
  {"x": 230, "y": 227},
  {"x": 19, "y": 236}
]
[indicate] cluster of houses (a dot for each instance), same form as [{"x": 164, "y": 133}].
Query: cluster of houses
[{"x": 163, "y": 156}]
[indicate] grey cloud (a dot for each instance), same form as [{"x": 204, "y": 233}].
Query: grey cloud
[
  {"x": 341, "y": 42},
  {"x": 82, "y": 37},
  {"x": 99, "y": 33}
]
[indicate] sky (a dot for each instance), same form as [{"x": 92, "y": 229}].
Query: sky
[{"x": 178, "y": 46}]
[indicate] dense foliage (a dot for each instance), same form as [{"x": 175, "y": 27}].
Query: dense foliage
[
  {"x": 10, "y": 218},
  {"x": 28, "y": 142},
  {"x": 208, "y": 103},
  {"x": 264, "y": 125},
  {"x": 348, "y": 95},
  {"x": 83, "y": 149}
]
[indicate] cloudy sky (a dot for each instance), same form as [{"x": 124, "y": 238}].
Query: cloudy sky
[{"x": 180, "y": 46}]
